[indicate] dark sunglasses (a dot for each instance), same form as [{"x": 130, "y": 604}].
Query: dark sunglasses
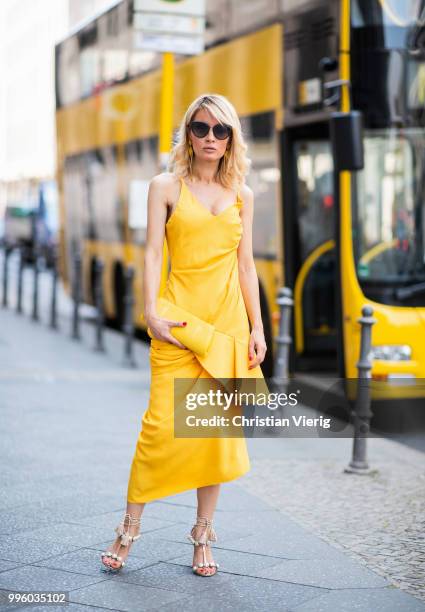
[{"x": 201, "y": 129}]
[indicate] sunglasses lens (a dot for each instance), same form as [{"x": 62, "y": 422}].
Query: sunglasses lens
[
  {"x": 199, "y": 128},
  {"x": 221, "y": 131}
]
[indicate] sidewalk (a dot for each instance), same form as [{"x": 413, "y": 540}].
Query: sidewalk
[{"x": 289, "y": 532}]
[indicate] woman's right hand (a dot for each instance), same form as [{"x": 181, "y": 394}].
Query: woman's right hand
[{"x": 161, "y": 329}]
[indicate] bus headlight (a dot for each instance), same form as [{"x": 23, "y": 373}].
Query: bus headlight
[{"x": 391, "y": 352}]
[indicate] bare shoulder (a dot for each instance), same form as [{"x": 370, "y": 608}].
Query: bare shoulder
[
  {"x": 247, "y": 194},
  {"x": 165, "y": 184}
]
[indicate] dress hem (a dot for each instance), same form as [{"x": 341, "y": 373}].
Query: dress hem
[{"x": 185, "y": 488}]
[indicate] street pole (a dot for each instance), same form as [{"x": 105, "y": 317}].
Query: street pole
[
  {"x": 76, "y": 295},
  {"x": 129, "y": 360},
  {"x": 166, "y": 134},
  {"x": 53, "y": 296},
  {"x": 6, "y": 253},
  {"x": 36, "y": 270},
  {"x": 362, "y": 411},
  {"x": 20, "y": 279},
  {"x": 166, "y": 109},
  {"x": 98, "y": 296},
  {"x": 283, "y": 340}
]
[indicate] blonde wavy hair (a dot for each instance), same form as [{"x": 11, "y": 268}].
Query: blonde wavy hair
[{"x": 234, "y": 166}]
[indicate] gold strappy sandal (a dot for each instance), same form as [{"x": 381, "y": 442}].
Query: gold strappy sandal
[
  {"x": 126, "y": 538},
  {"x": 208, "y": 535}
]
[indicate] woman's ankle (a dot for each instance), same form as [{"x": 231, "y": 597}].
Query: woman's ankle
[{"x": 135, "y": 510}]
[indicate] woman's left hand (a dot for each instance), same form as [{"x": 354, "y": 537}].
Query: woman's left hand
[{"x": 256, "y": 348}]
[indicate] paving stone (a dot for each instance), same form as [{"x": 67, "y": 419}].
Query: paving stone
[
  {"x": 275, "y": 545},
  {"x": 67, "y": 533},
  {"x": 15, "y": 496},
  {"x": 66, "y": 507},
  {"x": 21, "y": 519},
  {"x": 32, "y": 578},
  {"x": 69, "y": 607},
  {"x": 327, "y": 574},
  {"x": 245, "y": 594},
  {"x": 88, "y": 561},
  {"x": 25, "y": 550},
  {"x": 125, "y": 596},
  {"x": 362, "y": 600},
  {"x": 8, "y": 565},
  {"x": 258, "y": 522},
  {"x": 176, "y": 577}
]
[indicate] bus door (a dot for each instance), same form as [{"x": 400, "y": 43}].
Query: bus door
[{"x": 310, "y": 230}]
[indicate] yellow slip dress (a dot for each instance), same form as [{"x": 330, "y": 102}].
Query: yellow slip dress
[{"x": 204, "y": 280}]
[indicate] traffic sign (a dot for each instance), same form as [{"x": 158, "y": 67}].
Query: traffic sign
[
  {"x": 164, "y": 22},
  {"x": 175, "y": 26},
  {"x": 184, "y": 45},
  {"x": 181, "y": 7}
]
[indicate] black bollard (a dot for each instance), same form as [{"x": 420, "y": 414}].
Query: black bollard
[
  {"x": 6, "y": 253},
  {"x": 98, "y": 299},
  {"x": 279, "y": 379},
  {"x": 53, "y": 300},
  {"x": 128, "y": 318},
  {"x": 362, "y": 413},
  {"x": 36, "y": 269},
  {"x": 20, "y": 279},
  {"x": 76, "y": 295},
  {"x": 283, "y": 340}
]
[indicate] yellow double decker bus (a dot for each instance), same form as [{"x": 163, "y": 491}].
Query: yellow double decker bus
[{"x": 338, "y": 240}]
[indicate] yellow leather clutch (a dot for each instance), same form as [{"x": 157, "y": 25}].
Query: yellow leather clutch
[{"x": 197, "y": 335}]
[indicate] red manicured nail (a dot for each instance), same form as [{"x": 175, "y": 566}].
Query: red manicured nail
[{"x": 184, "y": 322}]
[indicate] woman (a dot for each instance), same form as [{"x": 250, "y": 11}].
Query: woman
[{"x": 206, "y": 211}]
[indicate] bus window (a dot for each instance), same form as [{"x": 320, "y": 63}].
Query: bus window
[
  {"x": 388, "y": 210},
  {"x": 68, "y": 88},
  {"x": 315, "y": 194},
  {"x": 315, "y": 277}
]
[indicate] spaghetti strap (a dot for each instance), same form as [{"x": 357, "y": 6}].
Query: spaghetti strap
[{"x": 239, "y": 201}]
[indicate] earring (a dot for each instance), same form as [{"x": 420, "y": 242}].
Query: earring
[{"x": 190, "y": 151}]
